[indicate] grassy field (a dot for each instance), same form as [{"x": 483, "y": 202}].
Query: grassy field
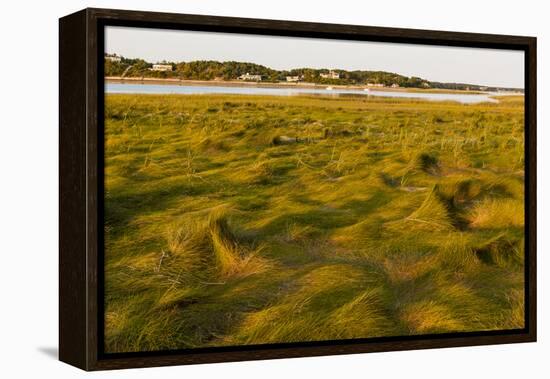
[{"x": 235, "y": 220}]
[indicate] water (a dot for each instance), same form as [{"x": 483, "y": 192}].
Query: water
[{"x": 252, "y": 90}]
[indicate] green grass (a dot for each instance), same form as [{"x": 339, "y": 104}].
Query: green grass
[{"x": 236, "y": 220}]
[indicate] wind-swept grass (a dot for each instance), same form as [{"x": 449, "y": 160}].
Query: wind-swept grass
[
  {"x": 498, "y": 213},
  {"x": 257, "y": 219},
  {"x": 208, "y": 248},
  {"x": 431, "y": 214}
]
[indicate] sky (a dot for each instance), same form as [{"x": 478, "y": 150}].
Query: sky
[{"x": 490, "y": 67}]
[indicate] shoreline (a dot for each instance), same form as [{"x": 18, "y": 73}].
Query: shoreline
[{"x": 238, "y": 83}]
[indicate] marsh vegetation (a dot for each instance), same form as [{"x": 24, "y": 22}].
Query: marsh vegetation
[{"x": 234, "y": 219}]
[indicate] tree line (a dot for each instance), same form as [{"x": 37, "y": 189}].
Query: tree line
[{"x": 214, "y": 70}]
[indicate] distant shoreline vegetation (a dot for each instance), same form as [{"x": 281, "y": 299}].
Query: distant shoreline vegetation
[{"x": 118, "y": 66}]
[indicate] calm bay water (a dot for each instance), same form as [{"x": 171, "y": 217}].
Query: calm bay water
[{"x": 140, "y": 88}]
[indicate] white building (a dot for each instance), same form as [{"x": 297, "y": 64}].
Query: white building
[
  {"x": 162, "y": 67},
  {"x": 296, "y": 78},
  {"x": 247, "y": 76},
  {"x": 331, "y": 75},
  {"x": 113, "y": 58},
  {"x": 395, "y": 85}
]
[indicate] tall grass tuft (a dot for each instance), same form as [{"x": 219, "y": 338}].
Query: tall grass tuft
[
  {"x": 429, "y": 316},
  {"x": 363, "y": 315},
  {"x": 456, "y": 254},
  {"x": 501, "y": 251},
  {"x": 209, "y": 248},
  {"x": 428, "y": 162},
  {"x": 497, "y": 213},
  {"x": 432, "y": 214},
  {"x": 260, "y": 172}
]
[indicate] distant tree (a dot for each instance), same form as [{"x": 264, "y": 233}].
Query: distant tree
[{"x": 114, "y": 68}]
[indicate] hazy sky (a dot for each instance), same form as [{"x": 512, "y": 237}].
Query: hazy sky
[{"x": 503, "y": 68}]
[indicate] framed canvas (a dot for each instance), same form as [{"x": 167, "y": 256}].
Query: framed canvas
[{"x": 240, "y": 189}]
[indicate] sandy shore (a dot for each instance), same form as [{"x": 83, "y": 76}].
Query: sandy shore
[
  {"x": 225, "y": 83},
  {"x": 239, "y": 83}
]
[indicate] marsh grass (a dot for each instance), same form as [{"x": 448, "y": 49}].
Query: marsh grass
[
  {"x": 432, "y": 213},
  {"x": 208, "y": 248},
  {"x": 372, "y": 217}
]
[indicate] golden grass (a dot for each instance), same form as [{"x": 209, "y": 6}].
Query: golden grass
[
  {"x": 497, "y": 213},
  {"x": 431, "y": 213},
  {"x": 209, "y": 247},
  {"x": 426, "y": 317},
  {"x": 374, "y": 217}
]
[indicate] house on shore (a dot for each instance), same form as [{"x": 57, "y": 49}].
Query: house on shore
[
  {"x": 330, "y": 75},
  {"x": 295, "y": 78},
  {"x": 395, "y": 85},
  {"x": 113, "y": 58},
  {"x": 249, "y": 77},
  {"x": 162, "y": 67}
]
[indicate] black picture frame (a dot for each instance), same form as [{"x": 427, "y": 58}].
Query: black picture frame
[{"x": 81, "y": 49}]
